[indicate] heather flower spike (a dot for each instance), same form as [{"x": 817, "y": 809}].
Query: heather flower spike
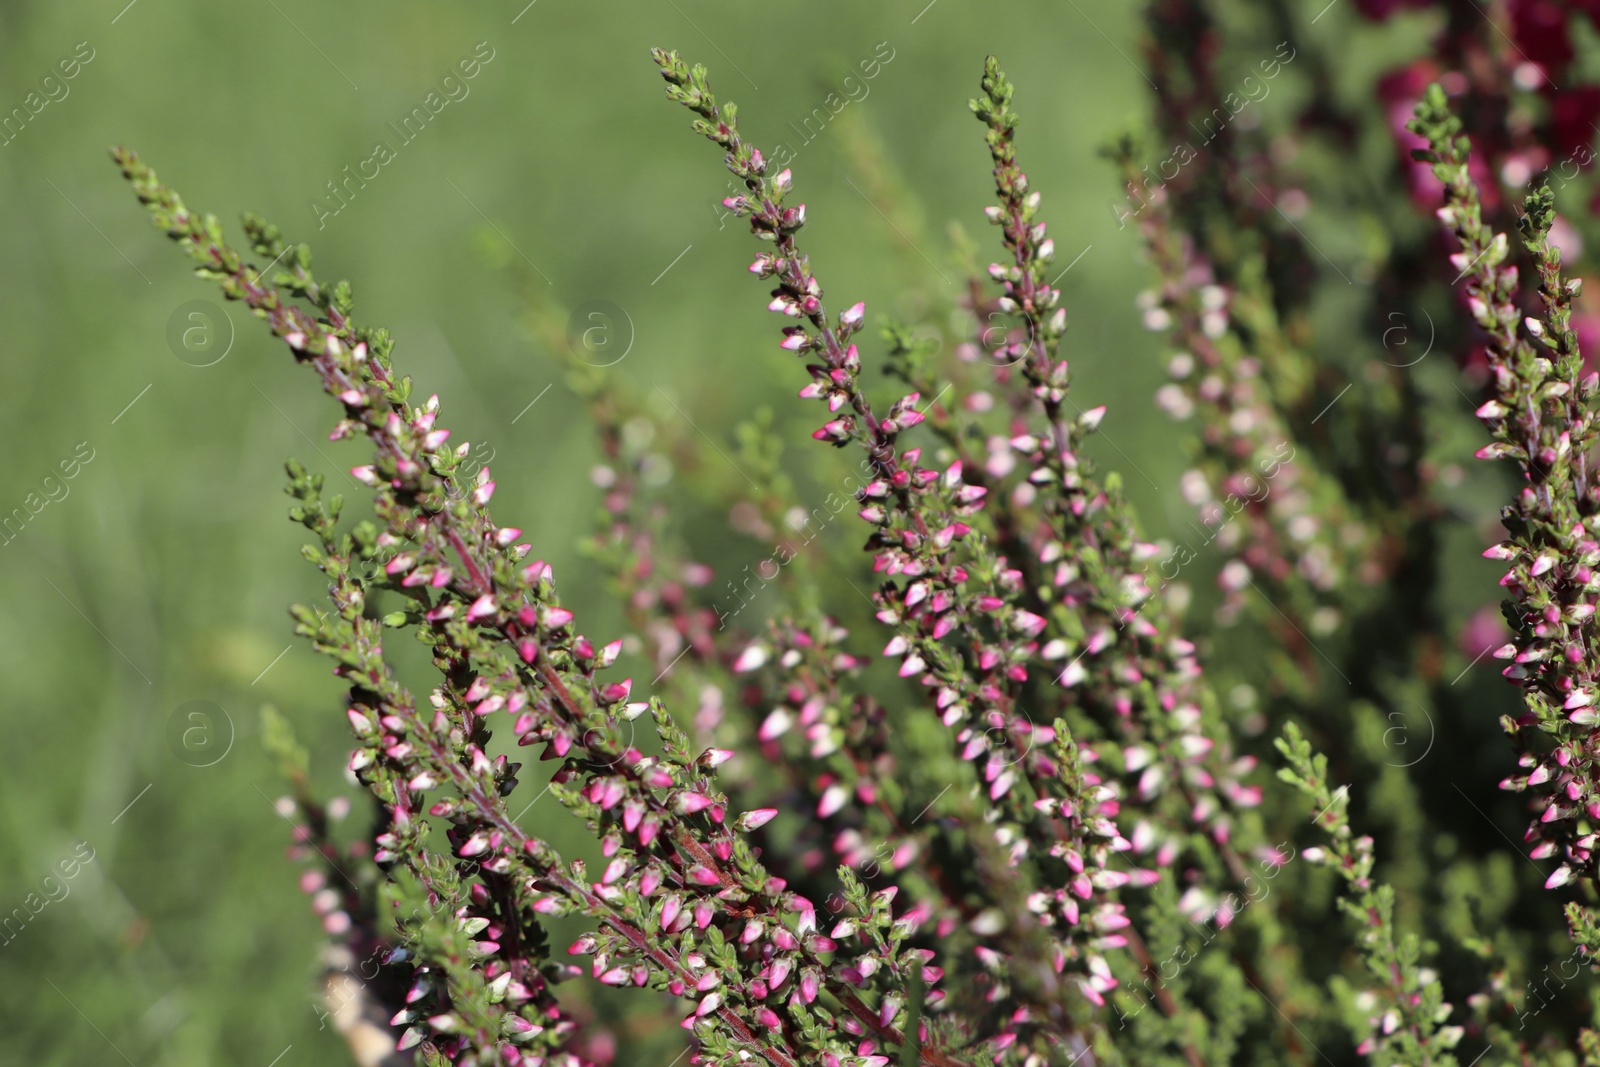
[{"x": 1541, "y": 417}]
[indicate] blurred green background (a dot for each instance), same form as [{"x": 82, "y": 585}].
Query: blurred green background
[{"x": 162, "y": 576}]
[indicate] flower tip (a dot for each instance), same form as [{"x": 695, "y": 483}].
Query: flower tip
[
  {"x": 750, "y": 659},
  {"x": 754, "y": 820}
]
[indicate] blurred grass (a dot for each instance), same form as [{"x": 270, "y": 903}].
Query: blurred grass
[{"x": 164, "y": 575}]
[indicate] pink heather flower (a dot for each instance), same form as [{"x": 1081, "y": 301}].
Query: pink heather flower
[
  {"x": 1485, "y": 629},
  {"x": 775, "y": 725},
  {"x": 691, "y": 803},
  {"x": 835, "y": 430},
  {"x": 754, "y": 820},
  {"x": 1029, "y": 623},
  {"x": 778, "y": 972},
  {"x": 833, "y": 798}
]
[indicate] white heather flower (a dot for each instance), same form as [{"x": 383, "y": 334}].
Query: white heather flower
[
  {"x": 752, "y": 658},
  {"x": 1235, "y": 575},
  {"x": 1194, "y": 487},
  {"x": 1174, "y": 401}
]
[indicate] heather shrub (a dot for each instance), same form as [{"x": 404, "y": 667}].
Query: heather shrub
[{"x": 975, "y": 767}]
